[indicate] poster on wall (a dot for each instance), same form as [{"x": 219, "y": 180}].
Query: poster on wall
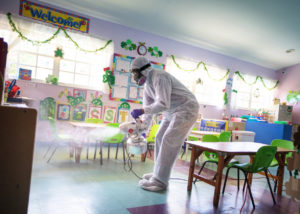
[
  {"x": 109, "y": 114},
  {"x": 24, "y": 74},
  {"x": 95, "y": 112},
  {"x": 63, "y": 112},
  {"x": 79, "y": 112},
  {"x": 47, "y": 108},
  {"x": 54, "y": 16},
  {"x": 125, "y": 88},
  {"x": 123, "y": 113}
]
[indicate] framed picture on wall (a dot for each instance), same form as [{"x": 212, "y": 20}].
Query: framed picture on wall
[
  {"x": 95, "y": 112},
  {"x": 123, "y": 113},
  {"x": 110, "y": 114},
  {"x": 63, "y": 112},
  {"x": 125, "y": 88},
  {"x": 79, "y": 112}
]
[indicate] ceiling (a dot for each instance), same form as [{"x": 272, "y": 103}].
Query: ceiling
[{"x": 257, "y": 31}]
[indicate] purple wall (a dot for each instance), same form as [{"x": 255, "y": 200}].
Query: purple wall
[
  {"x": 289, "y": 81},
  {"x": 169, "y": 47}
]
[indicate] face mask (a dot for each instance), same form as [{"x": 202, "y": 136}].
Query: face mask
[{"x": 138, "y": 76}]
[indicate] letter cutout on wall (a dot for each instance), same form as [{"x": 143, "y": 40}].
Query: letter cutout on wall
[
  {"x": 123, "y": 112},
  {"x": 110, "y": 114},
  {"x": 95, "y": 112}
]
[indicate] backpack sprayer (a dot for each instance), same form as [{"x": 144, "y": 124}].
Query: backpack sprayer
[{"x": 136, "y": 143}]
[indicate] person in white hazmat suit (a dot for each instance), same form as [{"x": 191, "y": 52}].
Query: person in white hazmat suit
[{"x": 164, "y": 93}]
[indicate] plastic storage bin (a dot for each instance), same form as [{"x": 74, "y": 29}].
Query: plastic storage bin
[{"x": 242, "y": 136}]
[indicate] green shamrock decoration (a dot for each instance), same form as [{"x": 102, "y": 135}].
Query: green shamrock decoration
[
  {"x": 155, "y": 52},
  {"x": 58, "y": 52},
  {"x": 128, "y": 45},
  {"x": 108, "y": 77}
]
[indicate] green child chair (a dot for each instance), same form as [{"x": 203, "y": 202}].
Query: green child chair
[
  {"x": 225, "y": 136},
  {"x": 91, "y": 137},
  {"x": 116, "y": 139},
  {"x": 286, "y": 144},
  {"x": 59, "y": 138},
  {"x": 261, "y": 163}
]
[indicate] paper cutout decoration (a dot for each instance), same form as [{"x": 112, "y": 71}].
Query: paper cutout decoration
[
  {"x": 24, "y": 74},
  {"x": 123, "y": 113},
  {"x": 96, "y": 100},
  {"x": 63, "y": 112},
  {"x": 109, "y": 114},
  {"x": 47, "y": 108},
  {"x": 79, "y": 93},
  {"x": 79, "y": 112},
  {"x": 95, "y": 112}
]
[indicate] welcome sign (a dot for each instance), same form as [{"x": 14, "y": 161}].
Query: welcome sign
[{"x": 56, "y": 17}]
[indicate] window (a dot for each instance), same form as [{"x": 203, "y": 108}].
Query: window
[
  {"x": 77, "y": 68},
  {"x": 252, "y": 97},
  {"x": 210, "y": 90}
]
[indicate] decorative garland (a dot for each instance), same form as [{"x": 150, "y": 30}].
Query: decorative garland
[
  {"x": 255, "y": 81},
  {"x": 227, "y": 73},
  {"x": 197, "y": 67},
  {"x": 35, "y": 42}
]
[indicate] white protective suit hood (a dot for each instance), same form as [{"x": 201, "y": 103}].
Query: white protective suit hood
[{"x": 139, "y": 62}]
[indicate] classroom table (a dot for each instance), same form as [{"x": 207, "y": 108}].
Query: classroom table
[
  {"x": 78, "y": 146},
  {"x": 226, "y": 151},
  {"x": 198, "y": 134}
]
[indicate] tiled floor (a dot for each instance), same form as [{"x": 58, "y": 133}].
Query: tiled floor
[{"x": 63, "y": 186}]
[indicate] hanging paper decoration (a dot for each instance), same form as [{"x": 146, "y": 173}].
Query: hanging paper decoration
[
  {"x": 155, "y": 52},
  {"x": 128, "y": 45},
  {"x": 225, "y": 97},
  {"x": 197, "y": 67},
  {"x": 35, "y": 42},
  {"x": 108, "y": 77},
  {"x": 255, "y": 81},
  {"x": 58, "y": 52},
  {"x": 225, "y": 76},
  {"x": 293, "y": 97}
]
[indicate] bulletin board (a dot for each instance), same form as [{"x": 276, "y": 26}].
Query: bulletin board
[{"x": 125, "y": 88}]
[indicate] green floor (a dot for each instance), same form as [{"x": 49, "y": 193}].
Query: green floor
[{"x": 63, "y": 186}]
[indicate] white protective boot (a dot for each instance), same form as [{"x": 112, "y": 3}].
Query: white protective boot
[
  {"x": 147, "y": 176},
  {"x": 152, "y": 185}
]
